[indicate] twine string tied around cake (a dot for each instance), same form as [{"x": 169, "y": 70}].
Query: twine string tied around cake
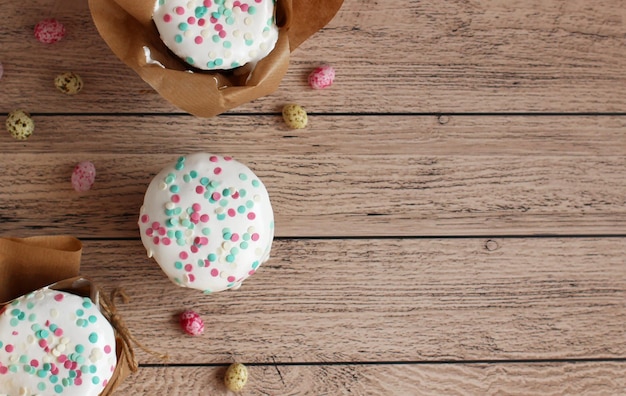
[{"x": 110, "y": 311}]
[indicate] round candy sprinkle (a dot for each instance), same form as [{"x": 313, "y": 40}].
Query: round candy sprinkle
[
  {"x": 236, "y": 377},
  {"x": 322, "y": 77},
  {"x": 295, "y": 116},
  {"x": 69, "y": 83},
  {"x": 83, "y": 176},
  {"x": 20, "y": 125},
  {"x": 49, "y": 31},
  {"x": 192, "y": 323}
]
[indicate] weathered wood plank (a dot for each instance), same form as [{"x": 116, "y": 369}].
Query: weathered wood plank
[
  {"x": 386, "y": 300},
  {"x": 479, "y": 56},
  {"x": 344, "y": 176},
  {"x": 355, "y": 195},
  {"x": 597, "y": 378}
]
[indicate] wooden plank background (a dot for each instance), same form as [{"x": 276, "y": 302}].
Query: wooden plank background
[{"x": 451, "y": 222}]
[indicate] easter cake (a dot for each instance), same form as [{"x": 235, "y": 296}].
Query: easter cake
[
  {"x": 55, "y": 343},
  {"x": 217, "y": 34},
  {"x": 207, "y": 221}
]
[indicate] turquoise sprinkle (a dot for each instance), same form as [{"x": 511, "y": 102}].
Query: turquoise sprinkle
[
  {"x": 252, "y": 10},
  {"x": 210, "y": 64},
  {"x": 15, "y": 312},
  {"x": 219, "y": 62},
  {"x": 54, "y": 379},
  {"x": 93, "y": 369},
  {"x": 187, "y": 178},
  {"x": 271, "y": 225},
  {"x": 93, "y": 319},
  {"x": 256, "y": 183},
  {"x": 178, "y": 265},
  {"x": 178, "y": 38},
  {"x": 246, "y": 237},
  {"x": 226, "y": 192},
  {"x": 216, "y": 15},
  {"x": 241, "y": 209},
  {"x": 41, "y": 373},
  {"x": 80, "y": 312},
  {"x": 170, "y": 234},
  {"x": 23, "y": 359},
  {"x": 41, "y": 386},
  {"x": 221, "y": 216},
  {"x": 13, "y": 368},
  {"x": 14, "y": 322},
  {"x": 234, "y": 64},
  {"x": 58, "y": 388},
  {"x": 255, "y": 265},
  {"x": 30, "y": 305},
  {"x": 215, "y": 38},
  {"x": 193, "y": 174},
  {"x": 212, "y": 257},
  {"x": 179, "y": 165},
  {"x": 204, "y": 181},
  {"x": 87, "y": 303},
  {"x": 201, "y": 11},
  {"x": 65, "y": 382},
  {"x": 242, "y": 193},
  {"x": 249, "y": 42},
  {"x": 249, "y": 204},
  {"x": 234, "y": 251},
  {"x": 226, "y": 235},
  {"x": 178, "y": 234},
  {"x": 170, "y": 178},
  {"x": 206, "y": 231},
  {"x": 230, "y": 258},
  {"x": 79, "y": 348},
  {"x": 183, "y": 26},
  {"x": 200, "y": 263},
  {"x": 95, "y": 380},
  {"x": 189, "y": 60},
  {"x": 180, "y": 242},
  {"x": 223, "y": 203},
  {"x": 242, "y": 176},
  {"x": 178, "y": 211},
  {"x": 93, "y": 338},
  {"x": 243, "y": 245},
  {"x": 174, "y": 188}
]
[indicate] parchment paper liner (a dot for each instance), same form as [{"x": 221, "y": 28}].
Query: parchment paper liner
[
  {"x": 28, "y": 264},
  {"x": 127, "y": 27}
]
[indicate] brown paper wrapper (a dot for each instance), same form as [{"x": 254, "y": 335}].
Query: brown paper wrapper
[
  {"x": 28, "y": 264},
  {"x": 127, "y": 27}
]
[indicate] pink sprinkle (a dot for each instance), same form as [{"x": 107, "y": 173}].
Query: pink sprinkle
[
  {"x": 251, "y": 216},
  {"x": 78, "y": 381},
  {"x": 217, "y": 170},
  {"x": 175, "y": 198},
  {"x": 255, "y": 237},
  {"x": 34, "y": 363},
  {"x": 199, "y": 190},
  {"x": 231, "y": 212},
  {"x": 195, "y": 217},
  {"x": 107, "y": 349},
  {"x": 204, "y": 240},
  {"x": 204, "y": 218},
  {"x": 201, "y": 22},
  {"x": 180, "y": 10},
  {"x": 167, "y": 18},
  {"x": 9, "y": 347},
  {"x": 198, "y": 40},
  {"x": 219, "y": 27},
  {"x": 162, "y": 231},
  {"x": 194, "y": 249},
  {"x": 214, "y": 272},
  {"x": 191, "y": 20},
  {"x": 3, "y": 369},
  {"x": 145, "y": 218},
  {"x": 74, "y": 365},
  {"x": 58, "y": 332},
  {"x": 156, "y": 225},
  {"x": 183, "y": 255},
  {"x": 207, "y": 3},
  {"x": 15, "y": 333},
  {"x": 196, "y": 207},
  {"x": 149, "y": 232},
  {"x": 222, "y": 33},
  {"x": 258, "y": 1},
  {"x": 156, "y": 240},
  {"x": 216, "y": 196},
  {"x": 207, "y": 263},
  {"x": 213, "y": 20},
  {"x": 67, "y": 364},
  {"x": 191, "y": 277},
  {"x": 166, "y": 241},
  {"x": 237, "y": 3},
  {"x": 213, "y": 158},
  {"x": 244, "y": 7},
  {"x": 251, "y": 272},
  {"x": 230, "y": 279},
  {"x": 104, "y": 383},
  {"x": 58, "y": 297},
  {"x": 234, "y": 237},
  {"x": 188, "y": 267},
  {"x": 62, "y": 358}
]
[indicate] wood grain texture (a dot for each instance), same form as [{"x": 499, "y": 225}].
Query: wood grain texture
[
  {"x": 395, "y": 300},
  {"x": 478, "y": 56},
  {"x": 549, "y": 379},
  {"x": 343, "y": 176}
]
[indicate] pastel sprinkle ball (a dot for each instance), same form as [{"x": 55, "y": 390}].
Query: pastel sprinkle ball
[
  {"x": 83, "y": 176},
  {"x": 49, "y": 31},
  {"x": 191, "y": 323},
  {"x": 236, "y": 377},
  {"x": 322, "y": 77},
  {"x": 295, "y": 116},
  {"x": 20, "y": 125},
  {"x": 69, "y": 83}
]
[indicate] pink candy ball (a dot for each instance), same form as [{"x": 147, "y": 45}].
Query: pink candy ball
[
  {"x": 322, "y": 77},
  {"x": 49, "y": 31},
  {"x": 192, "y": 323},
  {"x": 83, "y": 176}
]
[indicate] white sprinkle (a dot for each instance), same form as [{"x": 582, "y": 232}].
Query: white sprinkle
[
  {"x": 263, "y": 46},
  {"x": 163, "y": 186},
  {"x": 253, "y": 53},
  {"x": 247, "y": 21},
  {"x": 212, "y": 55},
  {"x": 54, "y": 313},
  {"x": 205, "y": 33},
  {"x": 170, "y": 205},
  {"x": 248, "y": 36},
  {"x": 237, "y": 33},
  {"x": 188, "y": 34}
]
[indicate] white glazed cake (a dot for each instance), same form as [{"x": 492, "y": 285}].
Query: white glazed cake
[
  {"x": 208, "y": 222},
  {"x": 217, "y": 34},
  {"x": 55, "y": 343}
]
